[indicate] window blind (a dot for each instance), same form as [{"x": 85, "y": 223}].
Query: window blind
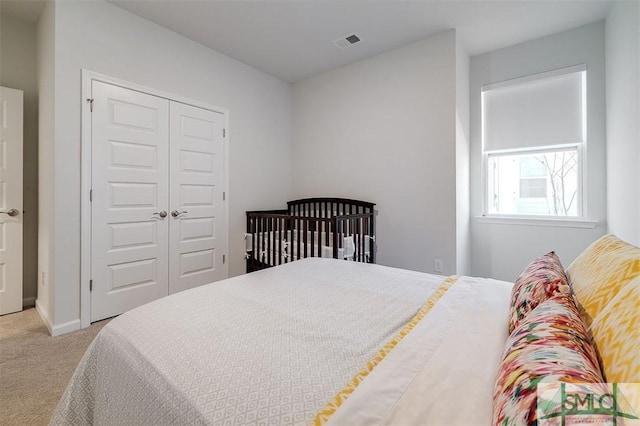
[{"x": 542, "y": 110}]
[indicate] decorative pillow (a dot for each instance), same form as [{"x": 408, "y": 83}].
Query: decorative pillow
[
  {"x": 550, "y": 345},
  {"x": 540, "y": 280},
  {"x": 616, "y": 333},
  {"x": 601, "y": 271}
]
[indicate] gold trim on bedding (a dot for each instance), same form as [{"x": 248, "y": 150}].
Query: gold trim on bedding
[{"x": 332, "y": 406}]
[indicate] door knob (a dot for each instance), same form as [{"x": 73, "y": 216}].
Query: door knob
[
  {"x": 161, "y": 213},
  {"x": 12, "y": 212},
  {"x": 176, "y": 213}
]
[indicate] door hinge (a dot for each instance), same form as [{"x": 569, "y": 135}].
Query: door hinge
[
  {"x": 90, "y": 195},
  {"x": 224, "y": 259},
  {"x": 90, "y": 285},
  {"x": 90, "y": 100},
  {"x": 224, "y": 133}
]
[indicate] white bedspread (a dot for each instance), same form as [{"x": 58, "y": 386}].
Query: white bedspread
[
  {"x": 442, "y": 373},
  {"x": 274, "y": 346}
]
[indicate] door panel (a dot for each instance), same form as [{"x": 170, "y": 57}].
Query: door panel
[
  {"x": 197, "y": 236},
  {"x": 130, "y": 184},
  {"x": 11, "y": 115}
]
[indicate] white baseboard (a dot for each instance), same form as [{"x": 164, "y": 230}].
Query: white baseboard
[
  {"x": 56, "y": 330},
  {"x": 28, "y": 302},
  {"x": 44, "y": 315},
  {"x": 65, "y": 328}
]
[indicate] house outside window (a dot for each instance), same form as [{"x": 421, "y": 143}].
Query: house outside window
[{"x": 534, "y": 132}]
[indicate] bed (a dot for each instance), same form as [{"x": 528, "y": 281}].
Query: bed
[
  {"x": 324, "y": 341},
  {"x": 337, "y": 228}
]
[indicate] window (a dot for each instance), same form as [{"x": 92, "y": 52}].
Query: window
[
  {"x": 533, "y": 131},
  {"x": 539, "y": 183}
]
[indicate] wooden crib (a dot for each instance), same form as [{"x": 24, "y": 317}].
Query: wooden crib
[{"x": 311, "y": 227}]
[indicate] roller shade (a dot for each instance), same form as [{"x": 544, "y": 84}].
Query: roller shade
[{"x": 542, "y": 110}]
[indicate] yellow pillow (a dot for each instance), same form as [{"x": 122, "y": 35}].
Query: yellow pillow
[
  {"x": 601, "y": 271},
  {"x": 616, "y": 333}
]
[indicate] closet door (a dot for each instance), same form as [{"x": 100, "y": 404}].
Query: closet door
[
  {"x": 197, "y": 230},
  {"x": 130, "y": 199},
  {"x": 11, "y": 117}
]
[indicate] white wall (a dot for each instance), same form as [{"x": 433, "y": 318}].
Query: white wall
[
  {"x": 384, "y": 130},
  {"x": 46, "y": 126},
  {"x": 104, "y": 38},
  {"x": 623, "y": 118},
  {"x": 463, "y": 232},
  {"x": 18, "y": 59},
  {"x": 502, "y": 251}
]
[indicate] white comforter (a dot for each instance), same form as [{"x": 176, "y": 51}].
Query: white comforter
[{"x": 275, "y": 346}]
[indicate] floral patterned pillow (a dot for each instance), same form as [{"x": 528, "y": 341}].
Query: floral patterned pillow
[
  {"x": 542, "y": 279},
  {"x": 550, "y": 345}
]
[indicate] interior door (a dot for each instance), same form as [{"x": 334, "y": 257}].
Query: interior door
[
  {"x": 198, "y": 233},
  {"x": 10, "y": 200},
  {"x": 130, "y": 199}
]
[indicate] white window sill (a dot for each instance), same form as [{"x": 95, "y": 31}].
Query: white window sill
[{"x": 538, "y": 221}]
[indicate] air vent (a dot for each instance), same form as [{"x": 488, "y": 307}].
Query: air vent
[{"x": 347, "y": 41}]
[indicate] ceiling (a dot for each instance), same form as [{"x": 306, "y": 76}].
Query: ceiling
[{"x": 293, "y": 40}]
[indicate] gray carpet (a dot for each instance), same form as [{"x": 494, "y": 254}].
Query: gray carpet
[{"x": 35, "y": 367}]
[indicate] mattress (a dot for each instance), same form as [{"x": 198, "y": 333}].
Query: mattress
[{"x": 313, "y": 341}]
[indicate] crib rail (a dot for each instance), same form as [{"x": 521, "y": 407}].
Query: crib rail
[
  {"x": 328, "y": 207},
  {"x": 311, "y": 228}
]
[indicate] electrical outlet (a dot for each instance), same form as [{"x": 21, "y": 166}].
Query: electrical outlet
[
  {"x": 42, "y": 278},
  {"x": 437, "y": 265}
]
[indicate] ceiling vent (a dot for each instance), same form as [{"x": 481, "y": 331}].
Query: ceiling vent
[{"x": 347, "y": 41}]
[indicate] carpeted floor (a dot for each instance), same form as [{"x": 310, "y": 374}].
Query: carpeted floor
[{"x": 35, "y": 367}]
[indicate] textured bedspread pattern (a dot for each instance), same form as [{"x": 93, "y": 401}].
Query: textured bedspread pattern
[{"x": 272, "y": 347}]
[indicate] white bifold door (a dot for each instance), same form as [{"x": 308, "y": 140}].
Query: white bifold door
[{"x": 158, "y": 223}]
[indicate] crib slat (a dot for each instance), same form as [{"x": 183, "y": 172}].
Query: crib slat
[
  {"x": 327, "y": 225},
  {"x": 278, "y": 238},
  {"x": 269, "y": 242},
  {"x": 365, "y": 226},
  {"x": 362, "y": 234},
  {"x": 312, "y": 235},
  {"x": 260, "y": 238},
  {"x": 361, "y": 240},
  {"x": 298, "y": 235},
  {"x": 272, "y": 242},
  {"x": 285, "y": 226},
  {"x": 336, "y": 236},
  {"x": 321, "y": 224},
  {"x": 304, "y": 236},
  {"x": 319, "y": 238},
  {"x": 332, "y": 223}
]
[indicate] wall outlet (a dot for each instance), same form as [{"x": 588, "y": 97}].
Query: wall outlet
[
  {"x": 437, "y": 265},
  {"x": 42, "y": 281}
]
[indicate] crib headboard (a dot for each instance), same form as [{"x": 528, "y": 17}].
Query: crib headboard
[{"x": 328, "y": 207}]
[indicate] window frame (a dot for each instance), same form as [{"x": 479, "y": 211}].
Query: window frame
[
  {"x": 581, "y": 219},
  {"x": 578, "y": 147}
]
